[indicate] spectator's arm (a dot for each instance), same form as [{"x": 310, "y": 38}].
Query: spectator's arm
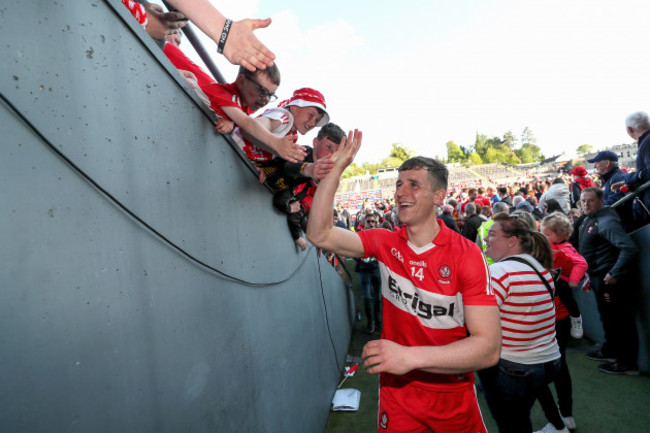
[
  {"x": 284, "y": 147},
  {"x": 242, "y": 47},
  {"x": 320, "y": 230},
  {"x": 269, "y": 124},
  {"x": 319, "y": 169},
  {"x": 161, "y": 23},
  {"x": 578, "y": 271}
]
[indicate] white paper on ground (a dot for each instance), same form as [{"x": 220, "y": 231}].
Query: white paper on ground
[{"x": 346, "y": 399}]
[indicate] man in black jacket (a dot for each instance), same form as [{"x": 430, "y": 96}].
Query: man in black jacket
[
  {"x": 611, "y": 255},
  {"x": 448, "y": 218},
  {"x": 472, "y": 223},
  {"x": 502, "y": 192}
]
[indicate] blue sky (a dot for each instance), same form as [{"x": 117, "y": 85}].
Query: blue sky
[{"x": 423, "y": 73}]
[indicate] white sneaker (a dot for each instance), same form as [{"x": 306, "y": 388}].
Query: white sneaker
[
  {"x": 569, "y": 422},
  {"x": 576, "y": 327},
  {"x": 549, "y": 428}
]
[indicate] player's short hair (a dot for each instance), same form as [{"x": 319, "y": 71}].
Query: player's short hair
[{"x": 438, "y": 173}]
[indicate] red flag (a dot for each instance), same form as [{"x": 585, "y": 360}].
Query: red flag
[{"x": 349, "y": 371}]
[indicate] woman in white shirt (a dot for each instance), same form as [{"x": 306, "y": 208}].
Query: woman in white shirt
[{"x": 523, "y": 286}]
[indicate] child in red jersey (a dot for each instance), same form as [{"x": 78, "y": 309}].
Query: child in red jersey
[
  {"x": 557, "y": 228},
  {"x": 234, "y": 103}
]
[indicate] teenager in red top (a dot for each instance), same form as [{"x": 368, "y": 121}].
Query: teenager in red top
[
  {"x": 425, "y": 355},
  {"x": 233, "y": 103}
]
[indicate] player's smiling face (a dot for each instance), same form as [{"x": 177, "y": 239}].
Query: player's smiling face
[{"x": 415, "y": 198}]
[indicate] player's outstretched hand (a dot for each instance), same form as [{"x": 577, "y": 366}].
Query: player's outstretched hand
[
  {"x": 381, "y": 356},
  {"x": 243, "y": 48},
  {"x": 347, "y": 150}
]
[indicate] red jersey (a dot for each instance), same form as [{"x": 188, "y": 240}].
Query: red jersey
[
  {"x": 424, "y": 291},
  {"x": 573, "y": 267},
  {"x": 181, "y": 61},
  {"x": 225, "y": 95},
  {"x": 483, "y": 201},
  {"x": 285, "y": 128}
]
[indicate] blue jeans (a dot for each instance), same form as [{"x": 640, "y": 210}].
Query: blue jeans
[{"x": 511, "y": 389}]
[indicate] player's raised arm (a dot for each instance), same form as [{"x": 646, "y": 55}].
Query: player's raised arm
[{"x": 320, "y": 230}]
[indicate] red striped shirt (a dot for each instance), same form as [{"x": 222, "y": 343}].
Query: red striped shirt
[{"x": 527, "y": 312}]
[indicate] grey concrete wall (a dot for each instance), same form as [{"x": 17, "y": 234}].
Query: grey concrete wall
[{"x": 104, "y": 325}]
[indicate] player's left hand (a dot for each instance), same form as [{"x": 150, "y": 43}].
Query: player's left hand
[{"x": 381, "y": 356}]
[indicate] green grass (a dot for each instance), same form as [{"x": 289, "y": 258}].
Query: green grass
[{"x": 602, "y": 402}]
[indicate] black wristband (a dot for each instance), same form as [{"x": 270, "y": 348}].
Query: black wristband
[{"x": 224, "y": 36}]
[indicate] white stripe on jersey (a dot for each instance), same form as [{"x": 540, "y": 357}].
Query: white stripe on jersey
[
  {"x": 432, "y": 309},
  {"x": 488, "y": 286}
]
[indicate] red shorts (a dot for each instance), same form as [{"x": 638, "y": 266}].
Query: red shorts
[{"x": 409, "y": 409}]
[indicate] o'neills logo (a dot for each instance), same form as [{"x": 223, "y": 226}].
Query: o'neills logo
[
  {"x": 445, "y": 271},
  {"x": 383, "y": 420}
]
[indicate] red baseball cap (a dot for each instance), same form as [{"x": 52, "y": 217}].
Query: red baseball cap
[{"x": 307, "y": 97}]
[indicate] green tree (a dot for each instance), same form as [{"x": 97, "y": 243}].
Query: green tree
[
  {"x": 454, "y": 152},
  {"x": 353, "y": 170},
  {"x": 401, "y": 152},
  {"x": 527, "y": 137},
  {"x": 511, "y": 157},
  {"x": 481, "y": 144},
  {"x": 534, "y": 151},
  {"x": 391, "y": 161},
  {"x": 526, "y": 155},
  {"x": 510, "y": 140},
  {"x": 371, "y": 168},
  {"x": 474, "y": 159},
  {"x": 491, "y": 155},
  {"x": 584, "y": 149}
]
